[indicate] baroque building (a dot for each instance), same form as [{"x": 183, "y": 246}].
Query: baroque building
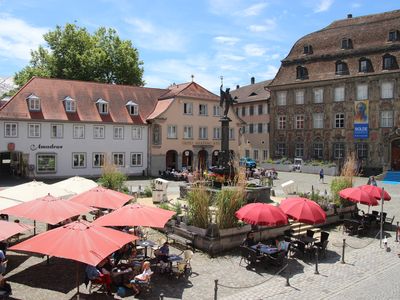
[{"x": 337, "y": 92}]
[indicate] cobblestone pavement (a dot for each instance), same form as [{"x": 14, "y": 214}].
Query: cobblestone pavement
[{"x": 369, "y": 271}]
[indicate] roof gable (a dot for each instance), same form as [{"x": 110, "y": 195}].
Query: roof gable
[{"x": 189, "y": 90}]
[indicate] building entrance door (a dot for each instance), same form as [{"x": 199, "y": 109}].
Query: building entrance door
[
  {"x": 202, "y": 155},
  {"x": 396, "y": 155}
]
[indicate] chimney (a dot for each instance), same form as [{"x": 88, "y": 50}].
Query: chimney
[
  {"x": 349, "y": 16},
  {"x": 237, "y": 86},
  {"x": 252, "y": 80}
]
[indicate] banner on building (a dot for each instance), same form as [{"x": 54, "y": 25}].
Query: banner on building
[{"x": 361, "y": 111}]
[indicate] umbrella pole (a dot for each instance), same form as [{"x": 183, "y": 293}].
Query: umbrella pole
[
  {"x": 381, "y": 229},
  {"x": 77, "y": 280},
  {"x": 34, "y": 227}
]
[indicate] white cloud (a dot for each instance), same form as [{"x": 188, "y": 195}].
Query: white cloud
[
  {"x": 226, "y": 40},
  {"x": 267, "y": 25},
  {"x": 254, "y": 10},
  {"x": 254, "y": 50},
  {"x": 142, "y": 26},
  {"x": 222, "y": 7},
  {"x": 231, "y": 57},
  {"x": 157, "y": 38},
  {"x": 18, "y": 38},
  {"x": 356, "y": 5},
  {"x": 323, "y": 5},
  {"x": 269, "y": 73}
]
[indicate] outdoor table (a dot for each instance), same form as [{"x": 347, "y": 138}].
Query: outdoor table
[
  {"x": 119, "y": 275},
  {"x": 173, "y": 257},
  {"x": 145, "y": 244},
  {"x": 264, "y": 249},
  {"x": 308, "y": 239}
]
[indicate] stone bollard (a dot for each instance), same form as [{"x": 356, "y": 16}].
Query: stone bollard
[
  {"x": 161, "y": 296},
  {"x": 344, "y": 246}
]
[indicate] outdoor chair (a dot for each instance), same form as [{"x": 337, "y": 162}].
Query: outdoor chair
[
  {"x": 324, "y": 237},
  {"x": 249, "y": 255},
  {"x": 276, "y": 259},
  {"x": 298, "y": 247},
  {"x": 388, "y": 223},
  {"x": 322, "y": 247},
  {"x": 181, "y": 269},
  {"x": 310, "y": 233}
]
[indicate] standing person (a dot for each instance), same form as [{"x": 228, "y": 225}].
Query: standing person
[
  {"x": 321, "y": 175},
  {"x": 372, "y": 181}
]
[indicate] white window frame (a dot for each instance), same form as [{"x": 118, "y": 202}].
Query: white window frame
[
  {"x": 34, "y": 103},
  {"x": 103, "y": 108},
  {"x": 299, "y": 97},
  {"x": 299, "y": 122},
  {"x": 99, "y": 132},
  {"x": 338, "y": 150},
  {"x": 339, "y": 120},
  {"x": 231, "y": 133},
  {"x": 34, "y": 130},
  {"x": 281, "y": 148},
  {"x": 188, "y": 132},
  {"x": 281, "y": 122},
  {"x": 281, "y": 98},
  {"x": 260, "y": 109},
  {"x": 10, "y": 129},
  {"x": 118, "y": 132},
  {"x": 339, "y": 93},
  {"x": 118, "y": 159},
  {"x": 80, "y": 158},
  {"x": 134, "y": 110},
  {"x": 255, "y": 154},
  {"x": 318, "y": 95},
  {"x": 42, "y": 171},
  {"x": 216, "y": 111},
  {"x": 203, "y": 110},
  {"x": 260, "y": 127},
  {"x": 70, "y": 104},
  {"x": 387, "y": 90},
  {"x": 362, "y": 150},
  {"x": 78, "y": 131},
  {"x": 318, "y": 120},
  {"x": 203, "y": 133},
  {"x": 386, "y": 120},
  {"x": 172, "y": 132},
  {"x": 217, "y": 133},
  {"x": 265, "y": 154},
  {"x": 299, "y": 150},
  {"x": 101, "y": 160},
  {"x": 58, "y": 133},
  {"x": 137, "y": 133},
  {"x": 362, "y": 91},
  {"x": 188, "y": 108},
  {"x": 138, "y": 156},
  {"x": 318, "y": 150}
]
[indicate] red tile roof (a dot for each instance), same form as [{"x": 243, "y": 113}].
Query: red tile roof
[
  {"x": 160, "y": 108},
  {"x": 53, "y": 91},
  {"x": 189, "y": 90}
]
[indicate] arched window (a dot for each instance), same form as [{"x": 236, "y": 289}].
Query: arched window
[
  {"x": 341, "y": 68},
  {"x": 389, "y": 62},
  {"x": 301, "y": 72},
  {"x": 365, "y": 65}
]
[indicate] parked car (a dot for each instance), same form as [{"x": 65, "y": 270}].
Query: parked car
[{"x": 247, "y": 162}]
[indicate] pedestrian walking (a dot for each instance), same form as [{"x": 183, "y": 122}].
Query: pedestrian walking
[
  {"x": 372, "y": 181},
  {"x": 321, "y": 175}
]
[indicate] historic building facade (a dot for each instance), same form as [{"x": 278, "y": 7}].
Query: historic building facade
[
  {"x": 337, "y": 92},
  {"x": 185, "y": 131},
  {"x": 253, "y": 108}
]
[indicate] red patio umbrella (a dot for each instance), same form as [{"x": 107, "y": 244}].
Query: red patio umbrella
[
  {"x": 48, "y": 209},
  {"x": 357, "y": 195},
  {"x": 102, "y": 198},
  {"x": 375, "y": 192},
  {"x": 136, "y": 215},
  {"x": 8, "y": 229},
  {"x": 80, "y": 240},
  {"x": 262, "y": 214},
  {"x": 303, "y": 210}
]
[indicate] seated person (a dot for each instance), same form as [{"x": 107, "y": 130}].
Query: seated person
[
  {"x": 2, "y": 258},
  {"x": 105, "y": 266},
  {"x": 142, "y": 278},
  {"x": 94, "y": 274},
  {"x": 282, "y": 245},
  {"x": 249, "y": 241},
  {"x": 162, "y": 255}
]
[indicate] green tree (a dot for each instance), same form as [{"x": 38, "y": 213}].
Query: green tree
[{"x": 73, "y": 53}]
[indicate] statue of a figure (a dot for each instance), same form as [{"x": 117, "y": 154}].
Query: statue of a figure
[{"x": 226, "y": 97}]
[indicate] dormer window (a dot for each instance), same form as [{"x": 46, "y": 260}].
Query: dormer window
[
  {"x": 389, "y": 62},
  {"x": 133, "y": 108},
  {"x": 393, "y": 35},
  {"x": 308, "y": 49},
  {"x": 102, "y": 106},
  {"x": 365, "y": 65},
  {"x": 341, "y": 68},
  {"x": 70, "y": 104},
  {"x": 347, "y": 43},
  {"x": 33, "y": 102},
  {"x": 301, "y": 72}
]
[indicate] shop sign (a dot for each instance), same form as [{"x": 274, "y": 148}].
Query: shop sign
[
  {"x": 35, "y": 147},
  {"x": 10, "y": 146}
]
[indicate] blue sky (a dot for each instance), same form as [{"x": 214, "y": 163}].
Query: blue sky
[{"x": 237, "y": 39}]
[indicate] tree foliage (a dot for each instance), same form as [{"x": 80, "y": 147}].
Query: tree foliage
[{"x": 73, "y": 53}]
